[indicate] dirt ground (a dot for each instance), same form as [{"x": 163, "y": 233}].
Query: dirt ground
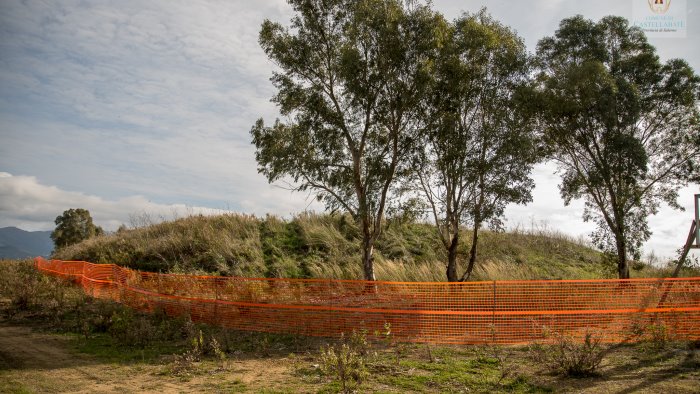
[
  {"x": 32, "y": 361},
  {"x": 35, "y": 361}
]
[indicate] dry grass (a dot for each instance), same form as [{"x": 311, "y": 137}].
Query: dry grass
[{"x": 328, "y": 246}]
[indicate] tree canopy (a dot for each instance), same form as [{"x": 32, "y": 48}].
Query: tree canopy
[
  {"x": 377, "y": 96},
  {"x": 352, "y": 75},
  {"x": 479, "y": 141},
  {"x": 623, "y": 128},
  {"x": 74, "y": 226}
]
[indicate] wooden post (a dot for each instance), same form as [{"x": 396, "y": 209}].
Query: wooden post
[
  {"x": 697, "y": 220},
  {"x": 692, "y": 234},
  {"x": 493, "y": 316}
]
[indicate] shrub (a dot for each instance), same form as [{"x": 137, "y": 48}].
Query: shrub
[
  {"x": 344, "y": 364},
  {"x": 199, "y": 346},
  {"x": 27, "y": 289},
  {"x": 659, "y": 335},
  {"x": 22, "y": 285},
  {"x": 571, "y": 358},
  {"x": 131, "y": 328}
]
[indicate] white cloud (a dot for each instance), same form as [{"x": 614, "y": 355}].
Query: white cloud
[
  {"x": 547, "y": 210},
  {"x": 27, "y": 204},
  {"x": 30, "y": 205},
  {"x": 132, "y": 98},
  {"x": 113, "y": 101}
]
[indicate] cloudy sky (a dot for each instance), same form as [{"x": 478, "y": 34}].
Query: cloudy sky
[{"x": 145, "y": 106}]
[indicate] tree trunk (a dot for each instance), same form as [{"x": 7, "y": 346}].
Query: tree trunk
[
  {"x": 368, "y": 256},
  {"x": 452, "y": 259},
  {"x": 623, "y": 271},
  {"x": 472, "y": 253}
]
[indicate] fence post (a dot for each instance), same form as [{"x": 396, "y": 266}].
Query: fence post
[
  {"x": 159, "y": 289},
  {"x": 493, "y": 315},
  {"x": 216, "y": 301}
]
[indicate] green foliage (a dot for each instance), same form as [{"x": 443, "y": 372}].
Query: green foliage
[
  {"x": 480, "y": 144},
  {"x": 347, "y": 361},
  {"x": 623, "y": 127},
  {"x": 352, "y": 76},
  {"x": 28, "y": 291},
  {"x": 129, "y": 327},
  {"x": 225, "y": 244},
  {"x": 74, "y": 226}
]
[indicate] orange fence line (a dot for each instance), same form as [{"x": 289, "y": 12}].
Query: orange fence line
[{"x": 505, "y": 312}]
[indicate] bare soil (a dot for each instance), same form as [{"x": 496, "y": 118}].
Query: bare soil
[
  {"x": 32, "y": 361},
  {"x": 36, "y": 361}
]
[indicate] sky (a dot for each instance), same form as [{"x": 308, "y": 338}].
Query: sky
[{"x": 130, "y": 108}]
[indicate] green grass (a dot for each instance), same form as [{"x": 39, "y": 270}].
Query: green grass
[
  {"x": 107, "y": 348},
  {"x": 453, "y": 370},
  {"x": 328, "y": 246},
  {"x": 13, "y": 386}
]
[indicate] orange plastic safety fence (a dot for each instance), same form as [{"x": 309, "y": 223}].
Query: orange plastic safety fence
[{"x": 504, "y": 312}]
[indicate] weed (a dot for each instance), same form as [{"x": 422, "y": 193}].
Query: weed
[
  {"x": 504, "y": 362},
  {"x": 569, "y": 357},
  {"x": 131, "y": 328},
  {"x": 430, "y": 353},
  {"x": 184, "y": 364},
  {"x": 216, "y": 351},
  {"x": 659, "y": 335},
  {"x": 343, "y": 364}
]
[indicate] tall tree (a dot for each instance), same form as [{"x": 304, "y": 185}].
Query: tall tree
[
  {"x": 479, "y": 141},
  {"x": 624, "y": 128},
  {"x": 351, "y": 75},
  {"x": 74, "y": 226}
]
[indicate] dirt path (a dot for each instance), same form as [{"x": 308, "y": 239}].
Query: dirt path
[
  {"x": 38, "y": 362},
  {"x": 32, "y": 361},
  {"x": 22, "y": 349}
]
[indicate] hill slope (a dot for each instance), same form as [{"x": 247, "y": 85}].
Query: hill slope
[
  {"x": 16, "y": 243},
  {"x": 327, "y": 246}
]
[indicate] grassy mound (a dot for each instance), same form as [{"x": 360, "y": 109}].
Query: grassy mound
[{"x": 328, "y": 246}]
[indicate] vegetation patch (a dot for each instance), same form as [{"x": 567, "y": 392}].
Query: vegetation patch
[{"x": 177, "y": 354}]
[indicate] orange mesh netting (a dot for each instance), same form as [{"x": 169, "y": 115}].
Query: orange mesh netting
[{"x": 505, "y": 312}]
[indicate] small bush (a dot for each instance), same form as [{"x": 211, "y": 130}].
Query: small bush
[
  {"x": 347, "y": 361},
  {"x": 200, "y": 345},
  {"x": 131, "y": 328},
  {"x": 358, "y": 343},
  {"x": 659, "y": 335},
  {"x": 344, "y": 364},
  {"x": 571, "y": 358},
  {"x": 22, "y": 285}
]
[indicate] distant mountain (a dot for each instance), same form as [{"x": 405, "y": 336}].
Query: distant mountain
[{"x": 16, "y": 243}]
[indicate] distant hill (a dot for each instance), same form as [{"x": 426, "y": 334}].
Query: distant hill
[{"x": 16, "y": 243}]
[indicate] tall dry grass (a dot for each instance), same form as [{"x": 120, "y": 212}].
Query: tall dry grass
[{"x": 328, "y": 246}]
